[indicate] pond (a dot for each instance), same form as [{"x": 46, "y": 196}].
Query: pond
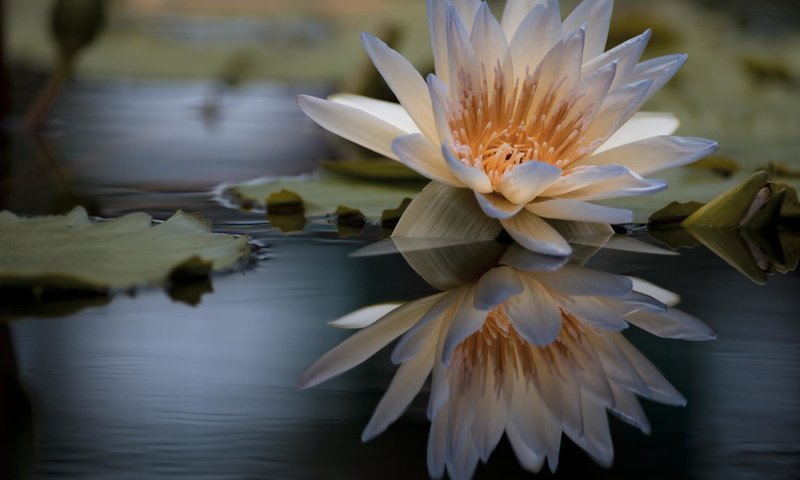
[{"x": 144, "y": 386}]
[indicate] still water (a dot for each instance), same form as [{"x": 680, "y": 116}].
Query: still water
[{"x": 143, "y": 386}]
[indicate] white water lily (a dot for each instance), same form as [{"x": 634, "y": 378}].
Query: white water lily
[
  {"x": 532, "y": 349},
  {"x": 529, "y": 112}
]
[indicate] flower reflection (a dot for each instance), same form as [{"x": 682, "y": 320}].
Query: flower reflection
[
  {"x": 531, "y": 349},
  {"x": 527, "y": 112}
]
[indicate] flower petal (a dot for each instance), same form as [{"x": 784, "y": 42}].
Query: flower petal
[
  {"x": 463, "y": 58},
  {"x": 520, "y": 258},
  {"x": 576, "y": 210},
  {"x": 364, "y": 317},
  {"x": 365, "y": 343},
  {"x": 535, "y": 36},
  {"x": 353, "y": 124},
  {"x": 419, "y": 154},
  {"x": 405, "y": 81},
  {"x": 491, "y": 46},
  {"x": 597, "y": 15},
  {"x": 496, "y": 206},
  {"x": 496, "y": 286},
  {"x": 672, "y": 324},
  {"x": 600, "y": 182},
  {"x": 526, "y": 181},
  {"x": 625, "y": 55},
  {"x": 515, "y": 12},
  {"x": 658, "y": 70},
  {"x": 618, "y": 106},
  {"x": 472, "y": 177},
  {"x": 579, "y": 281},
  {"x": 654, "y": 154},
  {"x": 535, "y": 234},
  {"x": 641, "y": 126},
  {"x": 405, "y": 385},
  {"x": 389, "y": 112},
  {"x": 466, "y": 321},
  {"x": 534, "y": 314},
  {"x": 660, "y": 389}
]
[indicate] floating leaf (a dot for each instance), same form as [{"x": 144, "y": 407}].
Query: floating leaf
[
  {"x": 285, "y": 202},
  {"x": 72, "y": 252},
  {"x": 323, "y": 193},
  {"x": 717, "y": 164}
]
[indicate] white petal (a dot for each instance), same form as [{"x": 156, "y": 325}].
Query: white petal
[
  {"x": 353, "y": 124},
  {"x": 405, "y": 81},
  {"x": 463, "y": 58},
  {"x": 672, "y": 324},
  {"x": 655, "y": 154},
  {"x": 520, "y": 258},
  {"x": 467, "y": 11},
  {"x": 472, "y": 177},
  {"x": 419, "y": 154},
  {"x": 579, "y": 281},
  {"x": 607, "y": 181},
  {"x": 535, "y": 36},
  {"x": 580, "y": 177},
  {"x": 364, "y": 317},
  {"x": 495, "y": 287},
  {"x": 437, "y": 445},
  {"x": 467, "y": 320},
  {"x": 440, "y": 103},
  {"x": 365, "y": 343},
  {"x": 560, "y": 69},
  {"x": 659, "y": 70},
  {"x": 628, "y": 409},
  {"x": 490, "y": 44},
  {"x": 526, "y": 181},
  {"x": 534, "y": 422},
  {"x": 389, "y": 112},
  {"x": 642, "y": 125},
  {"x": 535, "y": 234},
  {"x": 437, "y": 29},
  {"x": 567, "y": 209},
  {"x": 413, "y": 340},
  {"x": 663, "y": 295},
  {"x": 597, "y": 15},
  {"x": 618, "y": 107},
  {"x": 534, "y": 314},
  {"x": 625, "y": 55},
  {"x": 660, "y": 389},
  {"x": 528, "y": 459},
  {"x": 596, "y": 438},
  {"x": 514, "y": 12},
  {"x": 496, "y": 206},
  {"x": 593, "y": 312},
  {"x": 404, "y": 387}
]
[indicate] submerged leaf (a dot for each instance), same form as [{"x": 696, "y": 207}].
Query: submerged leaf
[{"x": 72, "y": 252}]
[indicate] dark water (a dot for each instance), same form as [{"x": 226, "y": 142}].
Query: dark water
[{"x": 146, "y": 387}]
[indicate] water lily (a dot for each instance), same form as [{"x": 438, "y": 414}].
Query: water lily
[
  {"x": 529, "y": 112},
  {"x": 531, "y": 349}
]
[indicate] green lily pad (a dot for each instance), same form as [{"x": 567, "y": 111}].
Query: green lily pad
[
  {"x": 326, "y": 194},
  {"x": 72, "y": 252}
]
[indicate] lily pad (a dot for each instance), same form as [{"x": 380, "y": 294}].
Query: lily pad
[
  {"x": 74, "y": 253},
  {"x": 324, "y": 193}
]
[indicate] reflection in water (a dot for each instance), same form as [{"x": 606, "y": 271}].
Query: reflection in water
[
  {"x": 16, "y": 416},
  {"x": 531, "y": 349}
]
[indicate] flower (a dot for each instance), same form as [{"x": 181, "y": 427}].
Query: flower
[
  {"x": 531, "y": 349},
  {"x": 528, "y": 112}
]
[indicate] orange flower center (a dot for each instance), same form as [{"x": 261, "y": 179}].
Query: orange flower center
[{"x": 503, "y": 126}]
